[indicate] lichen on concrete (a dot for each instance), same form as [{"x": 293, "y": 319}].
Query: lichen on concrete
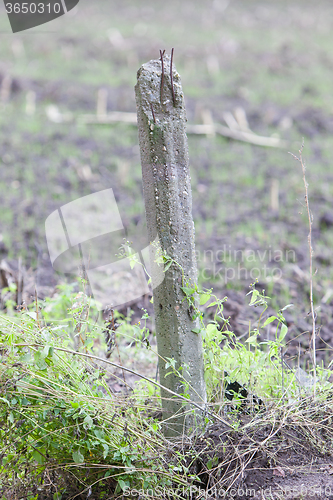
[{"x": 168, "y": 202}]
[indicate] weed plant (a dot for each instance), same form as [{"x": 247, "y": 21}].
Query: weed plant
[{"x": 64, "y": 431}]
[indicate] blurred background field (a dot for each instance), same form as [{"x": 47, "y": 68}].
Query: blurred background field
[{"x": 270, "y": 62}]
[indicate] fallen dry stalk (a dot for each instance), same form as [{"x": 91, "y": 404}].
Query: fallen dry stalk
[{"x": 200, "y": 129}]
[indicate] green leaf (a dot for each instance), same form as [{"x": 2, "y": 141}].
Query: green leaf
[
  {"x": 211, "y": 329},
  {"x": 26, "y": 357},
  {"x": 88, "y": 343},
  {"x": 123, "y": 485},
  {"x": 78, "y": 457},
  {"x": 39, "y": 360},
  {"x": 269, "y": 320},
  {"x": 88, "y": 422},
  {"x": 188, "y": 291},
  {"x": 252, "y": 339},
  {"x": 47, "y": 352},
  {"x": 170, "y": 362},
  {"x": 166, "y": 267},
  {"x": 286, "y": 307},
  {"x": 196, "y": 330},
  {"x": 211, "y": 356},
  {"x": 283, "y": 332},
  {"x": 105, "y": 450},
  {"x": 99, "y": 434},
  {"x": 204, "y": 297},
  {"x": 38, "y": 457},
  {"x": 255, "y": 294}
]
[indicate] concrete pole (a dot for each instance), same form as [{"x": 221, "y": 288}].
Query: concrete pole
[{"x": 168, "y": 203}]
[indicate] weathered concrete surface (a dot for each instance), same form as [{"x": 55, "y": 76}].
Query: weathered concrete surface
[{"x": 168, "y": 203}]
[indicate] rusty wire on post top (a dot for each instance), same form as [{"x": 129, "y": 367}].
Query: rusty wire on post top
[
  {"x": 171, "y": 77},
  {"x": 162, "y": 78}
]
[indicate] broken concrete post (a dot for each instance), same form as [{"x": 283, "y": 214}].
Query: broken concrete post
[{"x": 168, "y": 204}]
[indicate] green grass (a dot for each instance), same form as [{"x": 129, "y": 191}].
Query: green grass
[{"x": 62, "y": 420}]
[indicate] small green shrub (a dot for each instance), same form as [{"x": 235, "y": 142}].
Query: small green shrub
[
  {"x": 61, "y": 420},
  {"x": 257, "y": 364},
  {"x": 63, "y": 426}
]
